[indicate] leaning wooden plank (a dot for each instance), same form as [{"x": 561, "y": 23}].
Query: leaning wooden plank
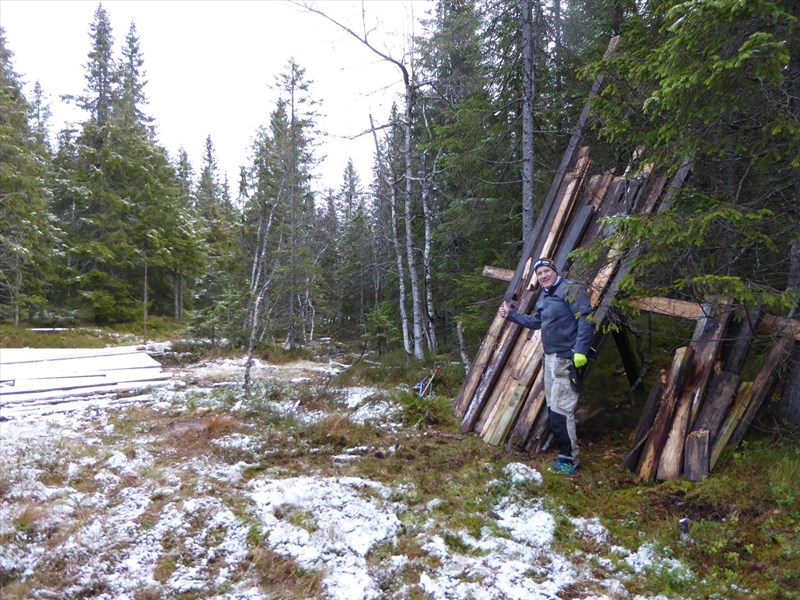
[
  {"x": 493, "y": 368},
  {"x": 566, "y": 206},
  {"x": 493, "y": 351},
  {"x": 487, "y": 348},
  {"x": 651, "y": 455},
  {"x": 740, "y": 348},
  {"x": 706, "y": 343},
  {"x": 645, "y": 423},
  {"x": 475, "y": 371},
  {"x": 528, "y": 414},
  {"x": 743, "y": 398},
  {"x": 696, "y": 459},
  {"x": 496, "y": 373},
  {"x": 539, "y": 434},
  {"x": 721, "y": 393},
  {"x": 764, "y": 384},
  {"x": 466, "y": 405},
  {"x": 513, "y": 394}
]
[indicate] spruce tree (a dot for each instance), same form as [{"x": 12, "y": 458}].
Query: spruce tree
[{"x": 27, "y": 232}]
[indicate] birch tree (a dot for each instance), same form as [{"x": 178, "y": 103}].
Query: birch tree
[{"x": 410, "y": 87}]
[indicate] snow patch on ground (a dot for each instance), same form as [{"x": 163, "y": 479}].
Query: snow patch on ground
[{"x": 124, "y": 521}]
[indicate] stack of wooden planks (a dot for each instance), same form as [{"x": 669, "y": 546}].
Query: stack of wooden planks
[
  {"x": 697, "y": 406},
  {"x": 694, "y": 409},
  {"x": 700, "y": 404},
  {"x": 502, "y": 398},
  {"x": 50, "y": 375}
]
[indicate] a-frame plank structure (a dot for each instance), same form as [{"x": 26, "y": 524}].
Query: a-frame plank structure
[{"x": 696, "y": 406}]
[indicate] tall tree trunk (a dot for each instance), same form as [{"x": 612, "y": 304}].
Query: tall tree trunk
[
  {"x": 790, "y": 401},
  {"x": 413, "y": 275},
  {"x": 528, "y": 88},
  {"x": 16, "y": 294},
  {"x": 291, "y": 334},
  {"x": 145, "y": 299},
  {"x": 430, "y": 325},
  {"x": 391, "y": 185}
]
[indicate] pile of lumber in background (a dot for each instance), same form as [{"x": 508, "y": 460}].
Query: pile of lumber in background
[{"x": 41, "y": 376}]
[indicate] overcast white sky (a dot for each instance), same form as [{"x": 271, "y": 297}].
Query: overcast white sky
[{"x": 211, "y": 65}]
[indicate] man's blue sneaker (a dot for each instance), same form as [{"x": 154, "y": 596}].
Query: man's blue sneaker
[{"x": 564, "y": 467}]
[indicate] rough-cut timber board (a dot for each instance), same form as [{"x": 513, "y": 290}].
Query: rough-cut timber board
[
  {"x": 706, "y": 342},
  {"x": 528, "y": 414},
  {"x": 696, "y": 461},
  {"x": 648, "y": 463},
  {"x": 743, "y": 398},
  {"x": 512, "y": 395},
  {"x": 764, "y": 385},
  {"x": 721, "y": 393}
]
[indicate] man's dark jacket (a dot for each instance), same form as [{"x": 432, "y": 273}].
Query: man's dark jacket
[{"x": 561, "y": 313}]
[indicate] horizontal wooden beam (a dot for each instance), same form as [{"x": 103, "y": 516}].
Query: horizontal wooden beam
[
  {"x": 498, "y": 273},
  {"x": 769, "y": 324}
]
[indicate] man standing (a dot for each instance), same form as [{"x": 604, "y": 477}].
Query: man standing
[{"x": 562, "y": 313}]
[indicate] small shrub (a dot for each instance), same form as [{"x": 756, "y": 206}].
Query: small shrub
[{"x": 430, "y": 410}]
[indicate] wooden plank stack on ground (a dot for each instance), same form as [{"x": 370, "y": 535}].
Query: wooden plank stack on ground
[{"x": 49, "y": 375}]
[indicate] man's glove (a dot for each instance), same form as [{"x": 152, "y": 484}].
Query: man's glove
[{"x": 579, "y": 360}]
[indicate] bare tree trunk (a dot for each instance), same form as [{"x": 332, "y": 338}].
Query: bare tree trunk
[
  {"x": 16, "y": 294},
  {"x": 144, "y": 307},
  {"x": 790, "y": 401},
  {"x": 528, "y": 150},
  {"x": 392, "y": 187},
  {"x": 430, "y": 324},
  {"x": 251, "y": 341},
  {"x": 461, "y": 347},
  {"x": 413, "y": 276},
  {"x": 177, "y": 292}
]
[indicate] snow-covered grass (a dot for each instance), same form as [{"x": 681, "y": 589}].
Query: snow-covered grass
[{"x": 303, "y": 490}]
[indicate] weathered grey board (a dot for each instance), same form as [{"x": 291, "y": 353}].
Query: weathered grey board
[{"x": 30, "y": 374}]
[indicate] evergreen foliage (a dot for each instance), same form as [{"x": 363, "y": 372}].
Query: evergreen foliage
[
  {"x": 713, "y": 83},
  {"x": 28, "y": 235}
]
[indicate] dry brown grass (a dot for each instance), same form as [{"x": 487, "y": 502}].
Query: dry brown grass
[
  {"x": 284, "y": 578},
  {"x": 217, "y": 426},
  {"x": 28, "y": 518}
]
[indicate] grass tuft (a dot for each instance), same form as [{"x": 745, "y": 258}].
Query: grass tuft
[{"x": 285, "y": 576}]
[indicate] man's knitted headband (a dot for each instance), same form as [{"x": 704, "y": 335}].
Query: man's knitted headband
[{"x": 544, "y": 262}]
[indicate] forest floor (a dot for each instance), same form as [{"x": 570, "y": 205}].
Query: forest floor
[{"x": 316, "y": 486}]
